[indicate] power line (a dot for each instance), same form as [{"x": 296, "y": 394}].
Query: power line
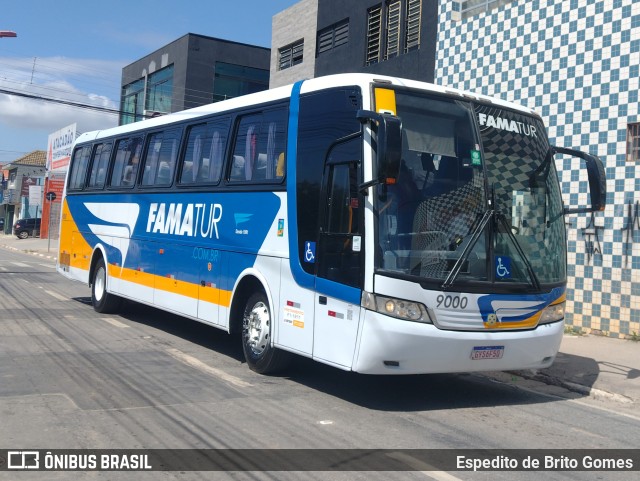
[{"x": 63, "y": 102}]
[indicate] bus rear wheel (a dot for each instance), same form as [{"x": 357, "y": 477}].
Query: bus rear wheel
[
  {"x": 103, "y": 301},
  {"x": 257, "y": 328}
]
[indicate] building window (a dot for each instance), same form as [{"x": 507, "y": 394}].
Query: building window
[
  {"x": 290, "y": 55},
  {"x": 393, "y": 29},
  {"x": 633, "y": 142},
  {"x": 414, "y": 16},
  {"x": 159, "y": 91},
  {"x": 333, "y": 36},
  {"x": 132, "y": 104},
  {"x": 232, "y": 80},
  {"x": 470, "y": 8},
  {"x": 136, "y": 105},
  {"x": 374, "y": 32}
]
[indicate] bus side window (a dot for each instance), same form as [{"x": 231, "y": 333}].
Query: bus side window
[
  {"x": 204, "y": 153},
  {"x": 125, "y": 167},
  {"x": 275, "y": 127},
  {"x": 216, "y": 155},
  {"x": 160, "y": 159},
  {"x": 244, "y": 153},
  {"x": 259, "y": 143},
  {"x": 99, "y": 165},
  {"x": 79, "y": 167},
  {"x": 197, "y": 141}
]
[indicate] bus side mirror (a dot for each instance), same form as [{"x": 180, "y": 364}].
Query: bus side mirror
[
  {"x": 389, "y": 144},
  {"x": 597, "y": 180}
]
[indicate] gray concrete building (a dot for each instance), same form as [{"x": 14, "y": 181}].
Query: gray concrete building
[
  {"x": 293, "y": 44},
  {"x": 191, "y": 71},
  {"x": 322, "y": 37}
]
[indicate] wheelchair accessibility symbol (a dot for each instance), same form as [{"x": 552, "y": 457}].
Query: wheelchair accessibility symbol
[
  {"x": 310, "y": 252},
  {"x": 503, "y": 267}
]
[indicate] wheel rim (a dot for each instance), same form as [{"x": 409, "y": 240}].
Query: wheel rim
[
  {"x": 257, "y": 323},
  {"x": 99, "y": 284}
]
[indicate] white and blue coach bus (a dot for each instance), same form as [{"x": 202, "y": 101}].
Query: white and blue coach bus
[{"x": 378, "y": 225}]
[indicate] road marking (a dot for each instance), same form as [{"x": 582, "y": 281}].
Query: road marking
[
  {"x": 219, "y": 373},
  {"x": 57, "y": 296},
  {"x": 20, "y": 264},
  {"x": 114, "y": 322}
]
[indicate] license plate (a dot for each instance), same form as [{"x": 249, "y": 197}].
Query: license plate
[{"x": 487, "y": 352}]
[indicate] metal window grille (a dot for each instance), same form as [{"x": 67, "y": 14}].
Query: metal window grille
[
  {"x": 333, "y": 36},
  {"x": 325, "y": 40},
  {"x": 374, "y": 31},
  {"x": 633, "y": 142},
  {"x": 393, "y": 29},
  {"x": 414, "y": 14},
  {"x": 291, "y": 55},
  {"x": 341, "y": 34}
]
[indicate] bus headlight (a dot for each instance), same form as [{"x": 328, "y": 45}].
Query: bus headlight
[
  {"x": 552, "y": 313},
  {"x": 399, "y": 308}
]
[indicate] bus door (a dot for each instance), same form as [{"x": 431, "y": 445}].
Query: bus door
[{"x": 339, "y": 257}]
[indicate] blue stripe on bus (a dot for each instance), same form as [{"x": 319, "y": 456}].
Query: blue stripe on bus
[
  {"x": 302, "y": 278},
  {"x": 486, "y": 306}
]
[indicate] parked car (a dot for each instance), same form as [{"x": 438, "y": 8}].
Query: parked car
[{"x": 24, "y": 228}]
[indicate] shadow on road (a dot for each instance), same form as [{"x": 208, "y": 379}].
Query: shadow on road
[{"x": 386, "y": 393}]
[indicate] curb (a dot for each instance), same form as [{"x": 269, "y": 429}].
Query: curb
[
  {"x": 27, "y": 251},
  {"x": 574, "y": 387}
]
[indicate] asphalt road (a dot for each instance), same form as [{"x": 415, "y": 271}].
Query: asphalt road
[{"x": 71, "y": 378}]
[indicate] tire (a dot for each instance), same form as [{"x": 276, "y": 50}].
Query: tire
[
  {"x": 102, "y": 301},
  {"x": 257, "y": 327},
  {"x": 23, "y": 234}
]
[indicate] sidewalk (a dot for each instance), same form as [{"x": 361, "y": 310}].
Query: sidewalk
[
  {"x": 33, "y": 245},
  {"x": 591, "y": 365},
  {"x": 597, "y": 366}
]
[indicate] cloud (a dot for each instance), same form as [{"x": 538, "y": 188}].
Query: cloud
[{"x": 87, "y": 82}]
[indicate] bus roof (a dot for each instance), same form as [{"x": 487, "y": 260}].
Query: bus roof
[{"x": 358, "y": 79}]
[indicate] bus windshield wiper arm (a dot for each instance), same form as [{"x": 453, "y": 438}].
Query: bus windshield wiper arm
[
  {"x": 534, "y": 278},
  {"x": 467, "y": 250}
]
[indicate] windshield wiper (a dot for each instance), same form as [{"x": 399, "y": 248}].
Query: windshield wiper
[
  {"x": 457, "y": 267},
  {"x": 534, "y": 278}
]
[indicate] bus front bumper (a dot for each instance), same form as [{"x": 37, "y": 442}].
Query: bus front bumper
[{"x": 393, "y": 346}]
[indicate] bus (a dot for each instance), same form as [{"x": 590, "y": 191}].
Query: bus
[{"x": 375, "y": 224}]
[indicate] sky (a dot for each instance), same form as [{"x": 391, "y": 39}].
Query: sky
[{"x": 74, "y": 50}]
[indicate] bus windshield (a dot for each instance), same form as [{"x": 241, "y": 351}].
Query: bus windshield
[{"x": 435, "y": 219}]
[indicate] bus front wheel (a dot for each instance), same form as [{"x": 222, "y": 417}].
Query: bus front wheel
[
  {"x": 257, "y": 328},
  {"x": 102, "y": 301}
]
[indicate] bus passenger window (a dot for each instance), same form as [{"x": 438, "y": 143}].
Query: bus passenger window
[
  {"x": 259, "y": 148},
  {"x": 245, "y": 150},
  {"x": 98, "y": 174},
  {"x": 79, "y": 166},
  {"x": 125, "y": 166},
  {"x": 160, "y": 159},
  {"x": 204, "y": 155}
]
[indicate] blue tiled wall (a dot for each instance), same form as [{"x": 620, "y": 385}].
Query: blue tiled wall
[{"x": 576, "y": 62}]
